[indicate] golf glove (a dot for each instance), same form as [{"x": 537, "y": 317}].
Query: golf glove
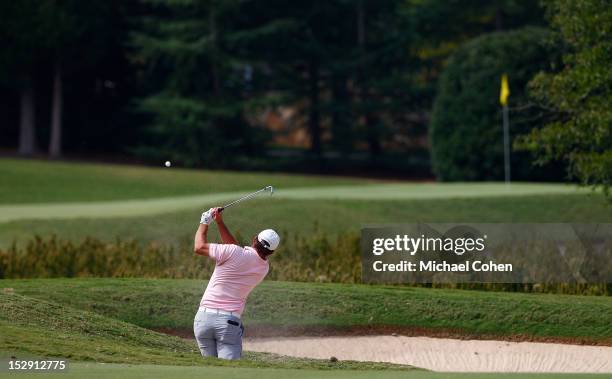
[{"x": 206, "y": 217}]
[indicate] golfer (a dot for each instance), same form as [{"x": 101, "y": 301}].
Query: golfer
[{"x": 218, "y": 326}]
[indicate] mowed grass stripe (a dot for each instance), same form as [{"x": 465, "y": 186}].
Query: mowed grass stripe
[
  {"x": 109, "y": 209},
  {"x": 416, "y": 191},
  {"x": 35, "y": 181},
  {"x": 370, "y": 192},
  {"x": 304, "y": 217},
  {"x": 112, "y": 371}
]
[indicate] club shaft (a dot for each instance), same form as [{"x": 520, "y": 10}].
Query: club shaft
[
  {"x": 246, "y": 197},
  {"x": 243, "y": 198}
]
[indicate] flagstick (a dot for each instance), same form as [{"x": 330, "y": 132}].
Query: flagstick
[
  {"x": 506, "y": 146},
  {"x": 503, "y": 100}
]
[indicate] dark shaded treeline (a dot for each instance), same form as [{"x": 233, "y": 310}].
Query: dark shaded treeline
[{"x": 190, "y": 80}]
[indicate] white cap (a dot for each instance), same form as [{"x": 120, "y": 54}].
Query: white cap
[{"x": 269, "y": 238}]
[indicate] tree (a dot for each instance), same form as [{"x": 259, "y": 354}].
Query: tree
[
  {"x": 465, "y": 132},
  {"x": 195, "y": 88},
  {"x": 79, "y": 38},
  {"x": 62, "y": 38},
  {"x": 340, "y": 58},
  {"x": 50, "y": 39},
  {"x": 354, "y": 70},
  {"x": 60, "y": 15},
  {"x": 24, "y": 24},
  {"x": 579, "y": 96},
  {"x": 407, "y": 45},
  {"x": 303, "y": 41}
]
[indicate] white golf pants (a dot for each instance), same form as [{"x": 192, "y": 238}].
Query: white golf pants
[{"x": 218, "y": 335}]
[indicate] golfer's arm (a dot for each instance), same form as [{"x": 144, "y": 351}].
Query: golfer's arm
[
  {"x": 200, "y": 243},
  {"x": 226, "y": 236}
]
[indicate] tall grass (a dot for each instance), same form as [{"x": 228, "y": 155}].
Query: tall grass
[
  {"x": 316, "y": 258},
  {"x": 53, "y": 257}
]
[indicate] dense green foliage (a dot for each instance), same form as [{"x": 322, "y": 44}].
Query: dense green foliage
[
  {"x": 222, "y": 68},
  {"x": 195, "y": 85},
  {"x": 579, "y": 96},
  {"x": 201, "y": 82},
  {"x": 466, "y": 128},
  {"x": 172, "y": 303}
]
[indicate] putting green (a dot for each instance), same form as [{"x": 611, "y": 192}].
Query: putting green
[{"x": 391, "y": 191}]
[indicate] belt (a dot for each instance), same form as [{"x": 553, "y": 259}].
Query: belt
[{"x": 220, "y": 312}]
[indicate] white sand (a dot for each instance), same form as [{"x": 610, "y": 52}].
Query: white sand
[{"x": 441, "y": 354}]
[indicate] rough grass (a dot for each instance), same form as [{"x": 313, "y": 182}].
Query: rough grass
[
  {"x": 314, "y": 259},
  {"x": 172, "y": 304},
  {"x": 42, "y": 328}
]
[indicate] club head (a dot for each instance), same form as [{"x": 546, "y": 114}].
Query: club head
[{"x": 271, "y": 189}]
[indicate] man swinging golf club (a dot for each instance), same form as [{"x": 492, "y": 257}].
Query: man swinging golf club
[{"x": 217, "y": 326}]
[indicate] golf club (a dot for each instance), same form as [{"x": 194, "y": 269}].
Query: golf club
[{"x": 246, "y": 197}]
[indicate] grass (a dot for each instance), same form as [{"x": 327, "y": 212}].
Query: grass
[
  {"x": 172, "y": 303},
  {"x": 101, "y": 325},
  {"x": 361, "y": 192},
  {"x": 111, "y": 371},
  {"x": 35, "y": 181},
  {"x": 105, "y": 320},
  {"x": 35, "y": 327},
  {"x": 332, "y": 216},
  {"x": 163, "y": 205}
]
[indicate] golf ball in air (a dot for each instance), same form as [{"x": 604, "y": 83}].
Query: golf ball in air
[{"x": 168, "y": 164}]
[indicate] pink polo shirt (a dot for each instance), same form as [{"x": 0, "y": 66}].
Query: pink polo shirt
[{"x": 237, "y": 271}]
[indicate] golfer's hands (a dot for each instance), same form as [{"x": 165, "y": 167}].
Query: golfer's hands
[
  {"x": 207, "y": 217},
  {"x": 216, "y": 215}
]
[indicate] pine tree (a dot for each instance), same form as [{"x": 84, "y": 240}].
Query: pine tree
[{"x": 197, "y": 91}]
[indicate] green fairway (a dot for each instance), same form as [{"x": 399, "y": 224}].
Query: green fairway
[
  {"x": 111, "y": 371},
  {"x": 172, "y": 303},
  {"x": 33, "y": 181},
  {"x": 330, "y": 216},
  {"x": 365, "y": 192},
  {"x": 36, "y": 181},
  {"x": 96, "y": 191},
  {"x": 163, "y": 205}
]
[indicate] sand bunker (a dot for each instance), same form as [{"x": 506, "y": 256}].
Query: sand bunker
[{"x": 441, "y": 354}]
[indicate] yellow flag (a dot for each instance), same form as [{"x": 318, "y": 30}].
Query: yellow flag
[{"x": 505, "y": 90}]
